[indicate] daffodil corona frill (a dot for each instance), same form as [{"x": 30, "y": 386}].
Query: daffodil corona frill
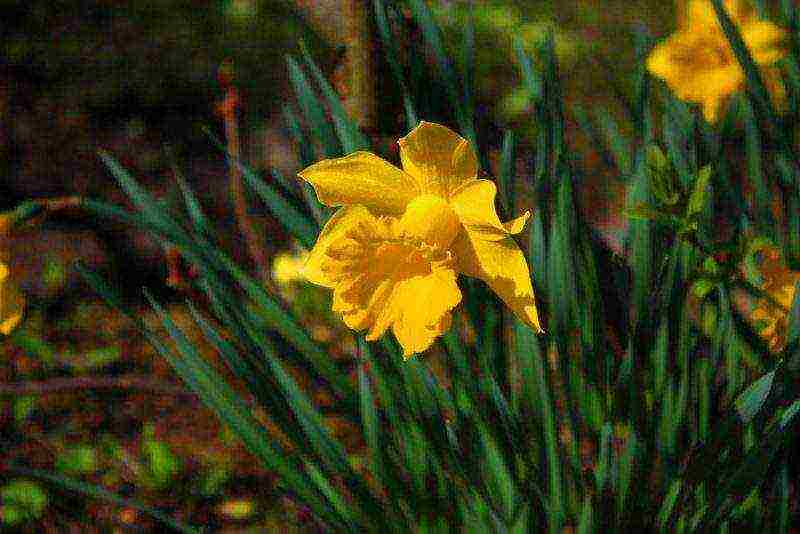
[
  {"x": 699, "y": 65},
  {"x": 393, "y": 251}
]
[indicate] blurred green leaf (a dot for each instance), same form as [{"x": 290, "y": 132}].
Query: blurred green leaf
[
  {"x": 54, "y": 274},
  {"x": 93, "y": 359},
  {"x": 23, "y": 407},
  {"x": 77, "y": 460},
  {"x": 750, "y": 402},
  {"x": 22, "y": 501},
  {"x": 392, "y": 56},
  {"x": 162, "y": 465},
  {"x": 700, "y": 194},
  {"x": 213, "y": 481}
]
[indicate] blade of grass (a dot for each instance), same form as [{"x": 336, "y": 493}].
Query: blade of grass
[
  {"x": 313, "y": 110},
  {"x": 433, "y": 37},
  {"x": 507, "y": 175},
  {"x": 618, "y": 145},
  {"x": 350, "y": 136},
  {"x": 530, "y": 347},
  {"x": 296, "y": 223},
  {"x": 391, "y": 54}
]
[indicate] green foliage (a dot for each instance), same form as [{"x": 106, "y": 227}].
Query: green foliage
[
  {"x": 77, "y": 460},
  {"x": 21, "y": 501},
  {"x": 161, "y": 464},
  {"x": 214, "y": 480},
  {"x": 23, "y": 407}
]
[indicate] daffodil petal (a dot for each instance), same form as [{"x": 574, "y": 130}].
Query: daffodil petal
[
  {"x": 419, "y": 310},
  {"x": 765, "y": 40},
  {"x": 698, "y": 63},
  {"x": 474, "y": 204},
  {"x": 501, "y": 264},
  {"x": 700, "y": 14},
  {"x": 362, "y": 178},
  {"x": 438, "y": 158},
  {"x": 661, "y": 61},
  {"x": 713, "y": 88},
  {"x": 515, "y": 226}
]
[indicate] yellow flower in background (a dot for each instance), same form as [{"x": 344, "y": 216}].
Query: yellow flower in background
[
  {"x": 780, "y": 282},
  {"x": 392, "y": 252},
  {"x": 287, "y": 267},
  {"x": 12, "y": 303},
  {"x": 699, "y": 65}
]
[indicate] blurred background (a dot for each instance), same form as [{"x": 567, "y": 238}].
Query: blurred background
[{"x": 81, "y": 393}]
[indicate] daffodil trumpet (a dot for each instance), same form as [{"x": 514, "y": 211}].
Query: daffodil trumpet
[{"x": 393, "y": 250}]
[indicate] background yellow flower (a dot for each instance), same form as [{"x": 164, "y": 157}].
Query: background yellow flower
[
  {"x": 698, "y": 64},
  {"x": 780, "y": 282},
  {"x": 287, "y": 266}
]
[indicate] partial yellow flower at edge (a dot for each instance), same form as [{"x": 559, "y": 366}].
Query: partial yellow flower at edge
[
  {"x": 780, "y": 283},
  {"x": 12, "y": 303},
  {"x": 698, "y": 64},
  {"x": 393, "y": 251}
]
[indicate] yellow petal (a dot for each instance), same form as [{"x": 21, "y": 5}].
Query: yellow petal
[
  {"x": 438, "y": 158},
  {"x": 501, "y": 264},
  {"x": 713, "y": 88},
  {"x": 288, "y": 267},
  {"x": 474, "y": 204},
  {"x": 711, "y": 108},
  {"x": 661, "y": 62},
  {"x": 418, "y": 309},
  {"x": 696, "y": 72},
  {"x": 362, "y": 178},
  {"x": 12, "y": 304},
  {"x": 701, "y": 15},
  {"x": 765, "y": 40},
  {"x": 515, "y": 226},
  {"x": 321, "y": 267}
]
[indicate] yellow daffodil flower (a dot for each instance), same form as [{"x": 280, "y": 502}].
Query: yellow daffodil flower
[
  {"x": 12, "y": 303},
  {"x": 392, "y": 252},
  {"x": 287, "y": 267},
  {"x": 699, "y": 65},
  {"x": 780, "y": 283}
]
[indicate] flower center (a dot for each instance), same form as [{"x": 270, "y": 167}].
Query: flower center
[{"x": 430, "y": 219}]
